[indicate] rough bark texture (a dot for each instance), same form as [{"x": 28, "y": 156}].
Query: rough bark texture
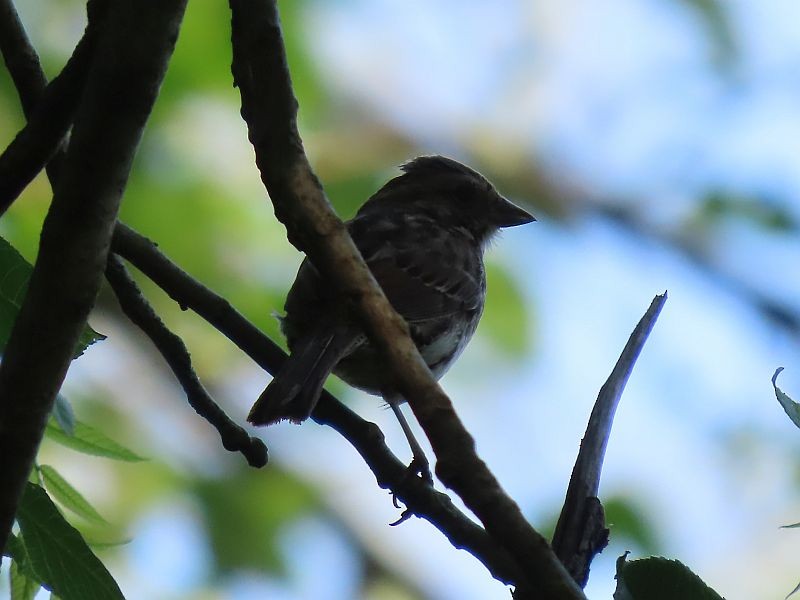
[
  {"x": 269, "y": 108},
  {"x": 124, "y": 79}
]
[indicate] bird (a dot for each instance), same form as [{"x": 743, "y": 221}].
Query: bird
[{"x": 423, "y": 236}]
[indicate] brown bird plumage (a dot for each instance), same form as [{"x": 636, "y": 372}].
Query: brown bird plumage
[{"x": 422, "y": 236}]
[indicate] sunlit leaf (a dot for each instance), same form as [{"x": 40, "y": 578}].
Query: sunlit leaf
[
  {"x": 22, "y": 586},
  {"x": 658, "y": 578},
  {"x": 15, "y": 272},
  {"x": 713, "y": 14},
  {"x": 347, "y": 194},
  {"x": 791, "y": 407},
  {"x": 230, "y": 516},
  {"x": 89, "y": 440},
  {"x": 305, "y": 73},
  {"x": 103, "y": 545},
  {"x": 66, "y": 495},
  {"x": 58, "y": 553},
  {"x": 64, "y": 415},
  {"x": 505, "y": 320},
  {"x": 758, "y": 211},
  {"x": 628, "y": 521}
]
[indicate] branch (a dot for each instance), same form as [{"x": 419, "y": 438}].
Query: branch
[
  {"x": 581, "y": 533},
  {"x": 49, "y": 109},
  {"x": 364, "y": 436},
  {"x": 21, "y": 58},
  {"x": 171, "y": 347},
  {"x": 131, "y": 60},
  {"x": 269, "y": 108}
]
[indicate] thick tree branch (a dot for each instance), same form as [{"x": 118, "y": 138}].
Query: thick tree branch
[
  {"x": 51, "y": 110},
  {"x": 171, "y": 347},
  {"x": 269, "y": 108},
  {"x": 365, "y": 437},
  {"x": 123, "y": 83},
  {"x": 581, "y": 532}
]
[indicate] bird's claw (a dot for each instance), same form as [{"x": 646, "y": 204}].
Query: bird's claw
[
  {"x": 418, "y": 468},
  {"x": 404, "y": 516}
]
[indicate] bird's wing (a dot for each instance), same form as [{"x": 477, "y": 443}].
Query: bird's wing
[{"x": 426, "y": 278}]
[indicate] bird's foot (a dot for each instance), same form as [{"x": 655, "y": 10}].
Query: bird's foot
[{"x": 419, "y": 467}]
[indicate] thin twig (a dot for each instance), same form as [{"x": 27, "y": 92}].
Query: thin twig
[
  {"x": 269, "y": 108},
  {"x": 364, "y": 436},
  {"x": 171, "y": 347},
  {"x": 21, "y": 58},
  {"x": 581, "y": 533},
  {"x": 131, "y": 61},
  {"x": 49, "y": 109}
]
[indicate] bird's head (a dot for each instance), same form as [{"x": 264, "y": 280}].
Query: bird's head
[{"x": 454, "y": 195}]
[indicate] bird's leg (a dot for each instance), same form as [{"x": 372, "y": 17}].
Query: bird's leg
[{"x": 419, "y": 463}]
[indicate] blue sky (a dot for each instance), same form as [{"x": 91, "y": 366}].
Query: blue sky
[{"x": 625, "y": 101}]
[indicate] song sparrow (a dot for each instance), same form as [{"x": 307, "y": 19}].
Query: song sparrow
[{"x": 422, "y": 236}]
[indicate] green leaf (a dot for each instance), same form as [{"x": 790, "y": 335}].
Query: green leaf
[
  {"x": 792, "y": 526},
  {"x": 64, "y": 415},
  {"x": 714, "y": 16},
  {"x": 22, "y": 586},
  {"x": 290, "y": 499},
  {"x": 759, "y": 211},
  {"x": 658, "y": 578},
  {"x": 628, "y": 521},
  {"x": 66, "y": 495},
  {"x": 104, "y": 545},
  {"x": 348, "y": 193},
  {"x": 15, "y": 548},
  {"x": 59, "y": 554},
  {"x": 791, "y": 407},
  {"x": 89, "y": 440},
  {"x": 505, "y": 320},
  {"x": 15, "y": 272}
]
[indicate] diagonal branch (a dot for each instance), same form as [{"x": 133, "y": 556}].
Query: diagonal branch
[
  {"x": 269, "y": 108},
  {"x": 581, "y": 532},
  {"x": 21, "y": 58},
  {"x": 131, "y": 61},
  {"x": 50, "y": 109},
  {"x": 365, "y": 437},
  {"x": 172, "y": 348}
]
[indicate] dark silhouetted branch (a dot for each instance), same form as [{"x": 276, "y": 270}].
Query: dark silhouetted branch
[
  {"x": 49, "y": 109},
  {"x": 21, "y": 58},
  {"x": 132, "y": 56},
  {"x": 269, "y": 108},
  {"x": 581, "y": 532},
  {"x": 365, "y": 437},
  {"x": 171, "y": 347}
]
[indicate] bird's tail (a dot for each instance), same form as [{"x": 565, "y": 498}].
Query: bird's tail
[{"x": 294, "y": 391}]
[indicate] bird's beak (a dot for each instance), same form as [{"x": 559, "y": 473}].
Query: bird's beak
[{"x": 508, "y": 214}]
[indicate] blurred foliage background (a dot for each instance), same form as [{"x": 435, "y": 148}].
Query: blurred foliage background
[{"x": 656, "y": 142}]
